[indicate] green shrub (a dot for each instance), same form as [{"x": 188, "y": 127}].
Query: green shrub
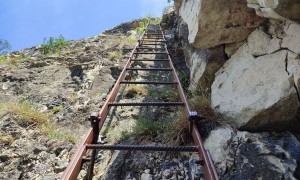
[
  {"x": 53, "y": 45},
  {"x": 57, "y": 109}
]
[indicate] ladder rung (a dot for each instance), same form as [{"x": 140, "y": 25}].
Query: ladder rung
[
  {"x": 147, "y": 104},
  {"x": 153, "y": 40},
  {"x": 151, "y": 44},
  {"x": 150, "y": 53},
  {"x": 150, "y": 48},
  {"x": 150, "y": 60},
  {"x": 142, "y": 147},
  {"x": 146, "y": 82},
  {"x": 150, "y": 69}
]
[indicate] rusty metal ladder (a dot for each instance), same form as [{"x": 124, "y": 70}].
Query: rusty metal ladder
[{"x": 90, "y": 140}]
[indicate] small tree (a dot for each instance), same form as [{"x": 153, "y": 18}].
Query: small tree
[{"x": 4, "y": 46}]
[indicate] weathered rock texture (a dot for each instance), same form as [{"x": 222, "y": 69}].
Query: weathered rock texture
[
  {"x": 278, "y": 9},
  {"x": 77, "y": 79},
  {"x": 254, "y": 83},
  {"x": 243, "y": 155},
  {"x": 211, "y": 23}
]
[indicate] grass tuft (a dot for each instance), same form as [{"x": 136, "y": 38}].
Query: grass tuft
[
  {"x": 27, "y": 112},
  {"x": 114, "y": 55},
  {"x": 6, "y": 139},
  {"x": 57, "y": 109},
  {"x": 168, "y": 94},
  {"x": 53, "y": 132},
  {"x": 133, "y": 90}
]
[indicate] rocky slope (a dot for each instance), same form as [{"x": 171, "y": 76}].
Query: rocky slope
[
  {"x": 64, "y": 88},
  {"x": 244, "y": 58}
]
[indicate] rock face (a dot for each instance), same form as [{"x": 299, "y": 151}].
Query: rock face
[
  {"x": 211, "y": 23},
  {"x": 255, "y": 90},
  {"x": 203, "y": 64},
  {"x": 243, "y": 155},
  {"x": 278, "y": 9},
  {"x": 77, "y": 80}
]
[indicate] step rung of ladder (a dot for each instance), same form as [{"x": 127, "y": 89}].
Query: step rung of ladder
[
  {"x": 153, "y": 41},
  {"x": 150, "y": 60},
  {"x": 150, "y": 48},
  {"x": 146, "y": 82},
  {"x": 150, "y": 53},
  {"x": 150, "y": 69},
  {"x": 147, "y": 104},
  {"x": 151, "y": 44},
  {"x": 152, "y": 38},
  {"x": 142, "y": 147}
]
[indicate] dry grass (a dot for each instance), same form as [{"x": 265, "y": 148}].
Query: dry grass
[
  {"x": 73, "y": 98},
  {"x": 202, "y": 105},
  {"x": 114, "y": 55},
  {"x": 133, "y": 90},
  {"x": 6, "y": 139},
  {"x": 27, "y": 112}
]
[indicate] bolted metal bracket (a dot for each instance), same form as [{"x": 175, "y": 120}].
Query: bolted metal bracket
[
  {"x": 194, "y": 118},
  {"x": 95, "y": 120}
]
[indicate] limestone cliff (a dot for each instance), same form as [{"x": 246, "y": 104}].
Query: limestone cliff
[{"x": 244, "y": 57}]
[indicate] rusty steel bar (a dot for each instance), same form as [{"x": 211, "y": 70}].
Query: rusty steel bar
[
  {"x": 142, "y": 147},
  {"x": 78, "y": 157},
  {"x": 74, "y": 166},
  {"x": 149, "y": 60},
  {"x": 147, "y": 104},
  {"x": 147, "y": 82},
  {"x": 149, "y": 69},
  {"x": 209, "y": 169},
  {"x": 152, "y": 44},
  {"x": 73, "y": 169},
  {"x": 150, "y": 53}
]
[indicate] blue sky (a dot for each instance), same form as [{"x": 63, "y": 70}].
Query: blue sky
[{"x": 24, "y": 23}]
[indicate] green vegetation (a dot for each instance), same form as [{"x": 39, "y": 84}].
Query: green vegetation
[
  {"x": 57, "y": 109},
  {"x": 146, "y": 126},
  {"x": 27, "y": 113},
  {"x": 169, "y": 94},
  {"x": 13, "y": 60},
  {"x": 115, "y": 55},
  {"x": 53, "y": 132},
  {"x": 53, "y": 45},
  {"x": 143, "y": 23},
  {"x": 4, "y": 46},
  {"x": 131, "y": 40}
]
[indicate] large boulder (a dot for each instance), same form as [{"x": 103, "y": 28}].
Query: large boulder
[
  {"x": 258, "y": 93},
  {"x": 215, "y": 22},
  {"x": 276, "y": 9},
  {"x": 244, "y": 155}
]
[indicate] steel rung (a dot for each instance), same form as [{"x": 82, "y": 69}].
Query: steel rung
[
  {"x": 143, "y": 147},
  {"x": 151, "y": 44},
  {"x": 150, "y": 69},
  {"x": 147, "y": 104},
  {"x": 150, "y": 60},
  {"x": 146, "y": 82},
  {"x": 150, "y": 53}
]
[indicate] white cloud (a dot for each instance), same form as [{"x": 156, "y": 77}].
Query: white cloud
[{"x": 153, "y": 7}]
